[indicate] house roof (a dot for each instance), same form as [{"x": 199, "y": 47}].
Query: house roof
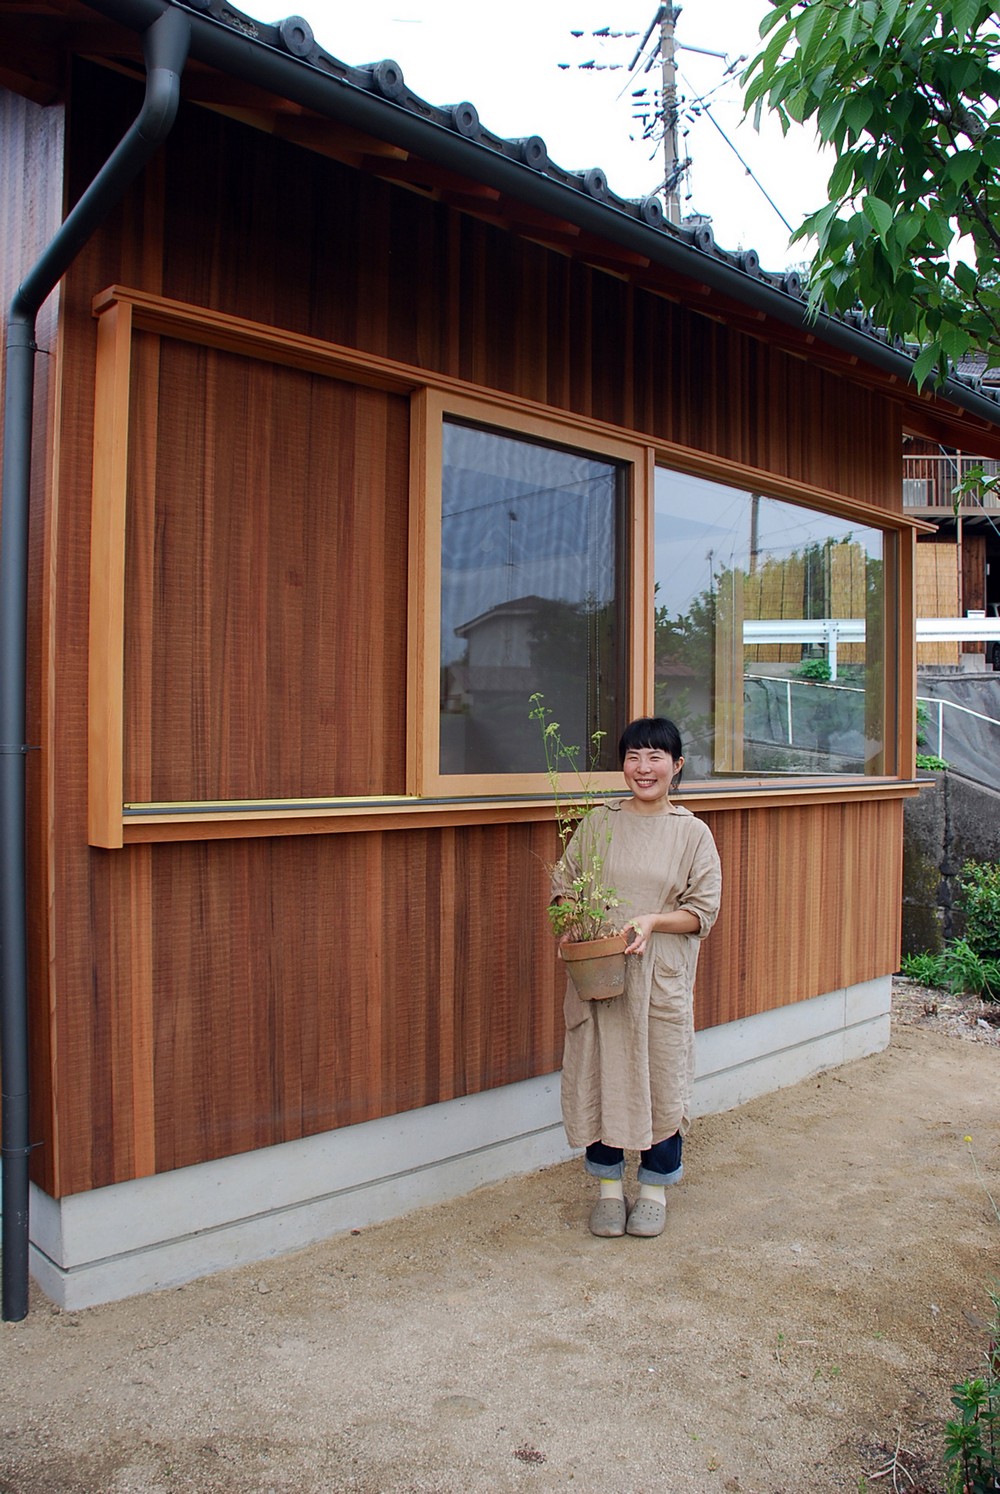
[
  {"x": 276, "y": 75},
  {"x": 526, "y": 606}
]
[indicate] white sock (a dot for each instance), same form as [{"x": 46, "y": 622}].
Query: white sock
[
  {"x": 612, "y": 1188},
  {"x": 656, "y": 1191}
]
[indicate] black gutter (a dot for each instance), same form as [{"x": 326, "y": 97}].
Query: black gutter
[
  {"x": 376, "y": 101},
  {"x": 165, "y": 47}
]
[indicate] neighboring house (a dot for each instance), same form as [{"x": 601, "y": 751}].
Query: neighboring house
[
  {"x": 357, "y": 425},
  {"x": 958, "y": 563}
]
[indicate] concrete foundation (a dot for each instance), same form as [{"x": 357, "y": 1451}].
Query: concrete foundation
[{"x": 160, "y": 1231}]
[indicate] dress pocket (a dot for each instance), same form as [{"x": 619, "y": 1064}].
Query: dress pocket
[
  {"x": 575, "y": 1011},
  {"x": 671, "y": 960},
  {"x": 669, "y": 995}
]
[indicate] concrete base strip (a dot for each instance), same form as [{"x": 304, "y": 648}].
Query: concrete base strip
[{"x": 161, "y": 1231}]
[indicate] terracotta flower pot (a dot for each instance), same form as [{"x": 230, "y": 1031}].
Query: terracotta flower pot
[{"x": 596, "y": 966}]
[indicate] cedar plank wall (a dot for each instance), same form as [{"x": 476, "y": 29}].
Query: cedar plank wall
[{"x": 213, "y": 997}]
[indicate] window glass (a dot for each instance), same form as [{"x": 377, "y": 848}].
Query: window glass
[
  {"x": 530, "y": 596},
  {"x": 768, "y": 632}
]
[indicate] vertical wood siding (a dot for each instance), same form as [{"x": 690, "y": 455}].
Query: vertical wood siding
[
  {"x": 211, "y": 997},
  {"x": 265, "y": 581}
]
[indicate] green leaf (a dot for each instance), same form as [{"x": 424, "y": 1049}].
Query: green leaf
[
  {"x": 776, "y": 16},
  {"x": 955, "y": 341},
  {"x": 925, "y": 364},
  {"x": 962, "y": 166},
  {"x": 841, "y": 177},
  {"x": 939, "y": 230},
  {"x": 965, "y": 278},
  {"x": 828, "y": 118},
  {"x": 885, "y": 22},
  {"x": 847, "y": 25},
  {"x": 806, "y": 25},
  {"x": 908, "y": 225},
  {"x": 858, "y": 111},
  {"x": 965, "y": 14},
  {"x": 878, "y": 213}
]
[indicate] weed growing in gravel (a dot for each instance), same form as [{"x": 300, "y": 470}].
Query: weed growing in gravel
[{"x": 972, "y": 1438}]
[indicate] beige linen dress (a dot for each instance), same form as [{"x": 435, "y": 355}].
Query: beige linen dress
[{"x": 628, "y": 1063}]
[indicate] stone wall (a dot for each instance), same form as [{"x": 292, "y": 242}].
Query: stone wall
[{"x": 952, "y": 820}]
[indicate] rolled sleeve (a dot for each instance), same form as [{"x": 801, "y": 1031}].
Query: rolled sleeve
[{"x": 704, "y": 889}]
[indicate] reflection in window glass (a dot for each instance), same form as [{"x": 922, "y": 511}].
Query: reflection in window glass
[
  {"x": 529, "y": 599},
  {"x": 768, "y": 632}
]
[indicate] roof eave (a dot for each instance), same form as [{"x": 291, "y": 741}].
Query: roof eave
[{"x": 257, "y": 60}]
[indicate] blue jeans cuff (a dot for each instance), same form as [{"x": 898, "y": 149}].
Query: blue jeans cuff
[
  {"x": 609, "y": 1170},
  {"x": 646, "y": 1175}
]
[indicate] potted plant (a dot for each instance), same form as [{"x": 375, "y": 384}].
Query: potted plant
[{"x": 582, "y": 917}]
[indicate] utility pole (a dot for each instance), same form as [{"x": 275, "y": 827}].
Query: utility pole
[{"x": 673, "y": 170}]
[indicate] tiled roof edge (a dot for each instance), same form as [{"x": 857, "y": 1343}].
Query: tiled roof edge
[
  {"x": 384, "y": 79},
  {"x": 377, "y": 98}
]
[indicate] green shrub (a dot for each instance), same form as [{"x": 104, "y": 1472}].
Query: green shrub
[
  {"x": 923, "y": 721},
  {"x": 931, "y": 761},
  {"x": 925, "y": 968},
  {"x": 980, "y": 902},
  {"x": 958, "y": 969},
  {"x": 812, "y": 669},
  {"x": 963, "y": 970}
]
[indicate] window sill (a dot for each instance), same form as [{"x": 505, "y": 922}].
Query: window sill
[{"x": 224, "y": 820}]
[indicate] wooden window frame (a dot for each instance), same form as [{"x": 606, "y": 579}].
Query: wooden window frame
[
  {"x": 431, "y": 799},
  {"x": 431, "y": 408},
  {"x": 898, "y": 544}
]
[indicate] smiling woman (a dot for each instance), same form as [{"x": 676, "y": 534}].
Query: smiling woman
[
  {"x": 628, "y": 1064},
  {"x": 652, "y": 769}
]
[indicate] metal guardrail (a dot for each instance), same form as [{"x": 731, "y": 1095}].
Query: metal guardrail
[
  {"x": 942, "y": 705},
  {"x": 791, "y": 684},
  {"x": 951, "y": 705},
  {"x": 832, "y": 631}
]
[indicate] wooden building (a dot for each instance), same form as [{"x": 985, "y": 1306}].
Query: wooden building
[
  {"x": 356, "y": 425},
  {"x": 958, "y": 562}
]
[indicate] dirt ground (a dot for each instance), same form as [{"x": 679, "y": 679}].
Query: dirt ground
[{"x": 822, "y": 1281}]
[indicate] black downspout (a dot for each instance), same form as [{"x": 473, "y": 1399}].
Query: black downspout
[{"x": 165, "y": 48}]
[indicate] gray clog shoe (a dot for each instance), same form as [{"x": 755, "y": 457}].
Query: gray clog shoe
[
  {"x": 646, "y": 1218},
  {"x": 607, "y": 1218}
]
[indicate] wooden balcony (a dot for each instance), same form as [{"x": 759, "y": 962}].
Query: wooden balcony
[{"x": 929, "y": 483}]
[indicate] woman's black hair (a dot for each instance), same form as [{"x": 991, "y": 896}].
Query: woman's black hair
[{"x": 651, "y": 731}]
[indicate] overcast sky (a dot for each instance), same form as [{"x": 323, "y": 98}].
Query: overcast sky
[{"x": 505, "y": 61}]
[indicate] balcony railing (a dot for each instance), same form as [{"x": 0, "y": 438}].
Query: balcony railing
[{"x": 928, "y": 482}]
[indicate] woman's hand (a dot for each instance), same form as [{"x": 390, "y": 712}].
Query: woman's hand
[{"x": 640, "y": 929}]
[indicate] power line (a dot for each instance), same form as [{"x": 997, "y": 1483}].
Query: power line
[{"x": 664, "y": 109}]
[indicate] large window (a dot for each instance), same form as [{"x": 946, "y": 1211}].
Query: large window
[
  {"x": 769, "y": 632},
  {"x": 526, "y": 533},
  {"x": 531, "y": 590}
]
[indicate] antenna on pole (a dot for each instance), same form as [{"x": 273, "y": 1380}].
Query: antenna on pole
[
  {"x": 673, "y": 167},
  {"x": 660, "y": 110}
]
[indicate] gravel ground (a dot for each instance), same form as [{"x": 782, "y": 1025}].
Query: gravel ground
[
  {"x": 821, "y": 1283},
  {"x": 934, "y": 1010}
]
